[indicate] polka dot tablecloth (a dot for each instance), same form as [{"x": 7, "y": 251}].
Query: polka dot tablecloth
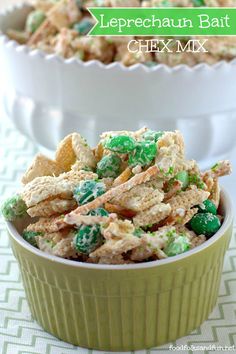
[{"x": 20, "y": 334}]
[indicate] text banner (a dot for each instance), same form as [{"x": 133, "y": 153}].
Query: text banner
[{"x": 164, "y": 21}]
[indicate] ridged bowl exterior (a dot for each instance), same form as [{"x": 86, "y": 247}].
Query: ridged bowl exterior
[
  {"x": 48, "y": 97},
  {"x": 122, "y": 308},
  {"x": 125, "y": 309}
]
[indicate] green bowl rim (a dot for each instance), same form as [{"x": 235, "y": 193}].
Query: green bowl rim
[{"x": 227, "y": 205}]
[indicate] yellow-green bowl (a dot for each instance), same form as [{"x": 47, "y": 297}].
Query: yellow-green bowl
[{"x": 123, "y": 307}]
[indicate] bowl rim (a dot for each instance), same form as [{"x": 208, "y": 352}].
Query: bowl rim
[
  {"x": 228, "y": 220},
  {"x": 98, "y": 64}
]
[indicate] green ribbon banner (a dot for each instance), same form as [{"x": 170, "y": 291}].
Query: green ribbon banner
[{"x": 164, "y": 21}]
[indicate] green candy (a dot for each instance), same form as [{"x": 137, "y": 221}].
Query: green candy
[
  {"x": 177, "y": 246},
  {"x": 207, "y": 207},
  {"x": 205, "y": 224},
  {"x": 89, "y": 237},
  {"x": 34, "y": 20},
  {"x": 29, "y": 236},
  {"x": 121, "y": 144},
  {"x": 143, "y": 154},
  {"x": 184, "y": 178},
  {"x": 109, "y": 166},
  {"x": 151, "y": 135},
  {"x": 83, "y": 27},
  {"x": 13, "y": 208},
  {"x": 89, "y": 190}
]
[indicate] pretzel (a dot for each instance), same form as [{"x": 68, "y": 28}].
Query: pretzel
[
  {"x": 112, "y": 193},
  {"x": 126, "y": 213},
  {"x": 139, "y": 133},
  {"x": 177, "y": 186},
  {"x": 98, "y": 152},
  {"x": 123, "y": 177},
  {"x": 52, "y": 207},
  {"x": 43, "y": 30},
  {"x": 222, "y": 168},
  {"x": 42, "y": 188},
  {"x": 41, "y": 166}
]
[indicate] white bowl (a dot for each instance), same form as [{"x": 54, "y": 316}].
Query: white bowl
[{"x": 48, "y": 97}]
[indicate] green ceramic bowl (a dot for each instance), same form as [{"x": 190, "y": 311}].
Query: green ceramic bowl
[{"x": 123, "y": 307}]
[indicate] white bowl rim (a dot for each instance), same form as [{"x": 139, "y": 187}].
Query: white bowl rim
[
  {"x": 228, "y": 220},
  {"x": 98, "y": 64}
]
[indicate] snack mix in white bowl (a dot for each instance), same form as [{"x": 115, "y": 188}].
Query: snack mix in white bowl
[
  {"x": 133, "y": 198},
  {"x": 61, "y": 27},
  {"x": 57, "y": 80}
]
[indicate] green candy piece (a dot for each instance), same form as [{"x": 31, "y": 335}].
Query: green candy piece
[
  {"x": 109, "y": 166},
  {"x": 184, "y": 178},
  {"x": 143, "y": 154},
  {"x": 177, "y": 246},
  {"x": 34, "y": 20},
  {"x": 151, "y": 135},
  {"x": 207, "y": 207},
  {"x": 83, "y": 27},
  {"x": 205, "y": 224},
  {"x": 88, "y": 238},
  {"x": 121, "y": 144},
  {"x": 89, "y": 190},
  {"x": 13, "y": 208},
  {"x": 29, "y": 236},
  {"x": 198, "y": 3}
]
